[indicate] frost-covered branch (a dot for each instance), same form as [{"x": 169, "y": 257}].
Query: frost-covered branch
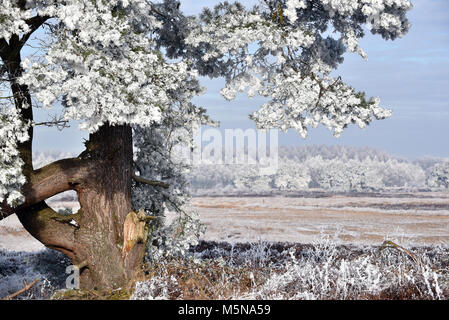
[{"x": 294, "y": 59}]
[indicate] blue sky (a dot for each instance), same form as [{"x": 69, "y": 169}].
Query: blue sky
[{"x": 410, "y": 75}]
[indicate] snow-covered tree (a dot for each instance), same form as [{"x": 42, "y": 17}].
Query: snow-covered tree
[
  {"x": 329, "y": 174},
  {"x": 439, "y": 176},
  {"x": 248, "y": 178},
  {"x": 333, "y": 168},
  {"x": 397, "y": 173},
  {"x": 291, "y": 176},
  {"x": 127, "y": 71}
]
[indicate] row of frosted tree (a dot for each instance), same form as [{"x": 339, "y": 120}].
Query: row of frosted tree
[{"x": 333, "y": 168}]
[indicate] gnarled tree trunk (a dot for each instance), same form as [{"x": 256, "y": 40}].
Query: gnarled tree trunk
[{"x": 96, "y": 233}]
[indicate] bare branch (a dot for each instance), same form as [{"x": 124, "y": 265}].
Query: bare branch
[
  {"x": 26, "y": 288},
  {"x": 151, "y": 182},
  {"x": 55, "y": 178},
  {"x": 81, "y": 265},
  {"x": 60, "y": 124},
  {"x": 49, "y": 227}
]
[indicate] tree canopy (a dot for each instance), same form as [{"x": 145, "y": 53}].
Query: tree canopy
[{"x": 108, "y": 61}]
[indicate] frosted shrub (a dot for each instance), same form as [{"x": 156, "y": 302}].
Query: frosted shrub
[
  {"x": 157, "y": 288},
  {"x": 324, "y": 270},
  {"x": 259, "y": 254}
]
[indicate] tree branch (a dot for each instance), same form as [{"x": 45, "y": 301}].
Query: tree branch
[
  {"x": 35, "y": 23},
  {"x": 55, "y": 178},
  {"x": 59, "y": 124},
  {"x": 26, "y": 288},
  {"x": 16, "y": 44},
  {"x": 151, "y": 182},
  {"x": 49, "y": 227},
  {"x": 82, "y": 265}
]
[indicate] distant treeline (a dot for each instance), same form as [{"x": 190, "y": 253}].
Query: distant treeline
[
  {"x": 307, "y": 168},
  {"x": 333, "y": 168}
]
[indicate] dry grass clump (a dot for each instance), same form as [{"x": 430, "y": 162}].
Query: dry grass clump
[
  {"x": 197, "y": 280},
  {"x": 91, "y": 295}
]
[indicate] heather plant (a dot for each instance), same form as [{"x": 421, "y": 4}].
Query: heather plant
[
  {"x": 325, "y": 272},
  {"x": 321, "y": 270}
]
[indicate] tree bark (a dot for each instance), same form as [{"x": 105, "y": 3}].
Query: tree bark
[
  {"x": 96, "y": 233},
  {"x": 105, "y": 201}
]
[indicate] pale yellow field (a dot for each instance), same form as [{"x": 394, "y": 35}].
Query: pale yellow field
[
  {"x": 410, "y": 219},
  {"x": 357, "y": 220}
]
